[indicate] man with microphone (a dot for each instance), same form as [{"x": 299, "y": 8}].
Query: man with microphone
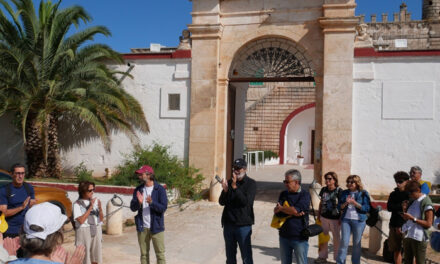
[{"x": 237, "y": 198}]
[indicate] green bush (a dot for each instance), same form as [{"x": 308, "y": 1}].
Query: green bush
[
  {"x": 82, "y": 174},
  {"x": 268, "y": 154},
  {"x": 168, "y": 169}
]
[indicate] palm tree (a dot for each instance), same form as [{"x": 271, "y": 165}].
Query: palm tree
[{"x": 47, "y": 75}]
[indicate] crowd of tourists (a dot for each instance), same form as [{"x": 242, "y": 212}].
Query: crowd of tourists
[
  {"x": 34, "y": 234},
  {"x": 341, "y": 213}
]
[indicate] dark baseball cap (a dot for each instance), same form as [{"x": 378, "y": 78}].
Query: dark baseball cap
[{"x": 239, "y": 163}]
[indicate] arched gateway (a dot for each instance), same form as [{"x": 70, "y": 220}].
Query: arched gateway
[{"x": 239, "y": 41}]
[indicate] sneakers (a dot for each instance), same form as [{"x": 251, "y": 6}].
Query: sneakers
[{"x": 320, "y": 261}]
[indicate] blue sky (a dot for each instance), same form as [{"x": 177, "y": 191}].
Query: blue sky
[{"x": 137, "y": 23}]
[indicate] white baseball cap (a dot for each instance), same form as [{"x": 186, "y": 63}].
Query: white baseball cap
[{"x": 42, "y": 220}]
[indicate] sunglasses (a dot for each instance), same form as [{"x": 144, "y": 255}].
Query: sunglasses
[
  {"x": 400, "y": 182},
  {"x": 328, "y": 179},
  {"x": 350, "y": 182},
  {"x": 236, "y": 169},
  {"x": 91, "y": 190},
  {"x": 287, "y": 182},
  {"x": 19, "y": 173}
]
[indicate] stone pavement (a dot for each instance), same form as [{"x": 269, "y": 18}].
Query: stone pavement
[{"x": 194, "y": 235}]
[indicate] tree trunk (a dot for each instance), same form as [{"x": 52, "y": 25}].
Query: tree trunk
[
  {"x": 53, "y": 153},
  {"x": 34, "y": 150},
  {"x": 38, "y": 164}
]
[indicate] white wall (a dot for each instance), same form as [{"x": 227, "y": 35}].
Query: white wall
[
  {"x": 395, "y": 119},
  {"x": 152, "y": 79},
  {"x": 300, "y": 129}
]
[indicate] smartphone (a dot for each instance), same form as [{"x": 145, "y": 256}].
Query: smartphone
[{"x": 218, "y": 179}]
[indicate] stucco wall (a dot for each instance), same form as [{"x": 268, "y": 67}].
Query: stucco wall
[
  {"x": 152, "y": 80},
  {"x": 300, "y": 129},
  {"x": 395, "y": 119}
]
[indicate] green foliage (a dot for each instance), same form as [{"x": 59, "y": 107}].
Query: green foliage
[
  {"x": 168, "y": 169},
  {"x": 268, "y": 154},
  {"x": 50, "y": 70},
  {"x": 82, "y": 174}
]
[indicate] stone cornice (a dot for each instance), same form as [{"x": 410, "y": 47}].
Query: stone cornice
[
  {"x": 206, "y": 31},
  {"x": 338, "y": 6},
  {"x": 338, "y": 24}
]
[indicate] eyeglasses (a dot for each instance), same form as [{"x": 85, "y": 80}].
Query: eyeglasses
[
  {"x": 328, "y": 179},
  {"x": 91, "y": 190},
  {"x": 351, "y": 182},
  {"x": 19, "y": 173}
]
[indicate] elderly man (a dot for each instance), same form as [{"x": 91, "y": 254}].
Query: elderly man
[
  {"x": 238, "y": 215},
  {"x": 150, "y": 201},
  {"x": 293, "y": 202},
  {"x": 415, "y": 173}
]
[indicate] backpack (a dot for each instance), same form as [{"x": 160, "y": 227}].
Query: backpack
[
  {"x": 387, "y": 255},
  {"x": 372, "y": 214}
]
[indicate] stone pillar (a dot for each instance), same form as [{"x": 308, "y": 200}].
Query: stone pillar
[
  {"x": 114, "y": 220},
  {"x": 206, "y": 32},
  {"x": 375, "y": 243},
  {"x": 221, "y": 117},
  {"x": 338, "y": 26}
]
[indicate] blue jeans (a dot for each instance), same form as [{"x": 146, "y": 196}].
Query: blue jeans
[
  {"x": 347, "y": 228},
  {"x": 238, "y": 234},
  {"x": 300, "y": 248}
]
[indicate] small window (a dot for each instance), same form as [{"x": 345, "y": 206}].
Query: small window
[
  {"x": 174, "y": 102},
  {"x": 255, "y": 128}
]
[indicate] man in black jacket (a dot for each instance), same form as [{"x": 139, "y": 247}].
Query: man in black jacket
[
  {"x": 238, "y": 215},
  {"x": 394, "y": 205}
]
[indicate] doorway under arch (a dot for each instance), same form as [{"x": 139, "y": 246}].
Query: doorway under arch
[
  {"x": 284, "y": 65},
  {"x": 302, "y": 130}
]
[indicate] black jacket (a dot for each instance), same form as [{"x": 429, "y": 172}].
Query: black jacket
[
  {"x": 394, "y": 206},
  {"x": 239, "y": 203}
]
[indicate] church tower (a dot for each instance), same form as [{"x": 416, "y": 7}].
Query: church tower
[{"x": 431, "y": 10}]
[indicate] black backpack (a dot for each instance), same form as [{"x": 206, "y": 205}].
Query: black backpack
[{"x": 372, "y": 215}]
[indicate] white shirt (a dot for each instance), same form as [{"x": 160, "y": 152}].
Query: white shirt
[
  {"x": 79, "y": 210},
  {"x": 351, "y": 209},
  {"x": 436, "y": 223},
  {"x": 146, "y": 215},
  {"x": 411, "y": 229}
]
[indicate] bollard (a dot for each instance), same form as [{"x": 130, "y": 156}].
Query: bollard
[
  {"x": 114, "y": 219},
  {"x": 375, "y": 243},
  {"x": 314, "y": 190}
]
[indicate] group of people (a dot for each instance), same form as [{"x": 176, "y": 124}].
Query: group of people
[
  {"x": 343, "y": 213},
  {"x": 35, "y": 230},
  {"x": 34, "y": 233}
]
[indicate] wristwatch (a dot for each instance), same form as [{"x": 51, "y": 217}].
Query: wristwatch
[{"x": 414, "y": 220}]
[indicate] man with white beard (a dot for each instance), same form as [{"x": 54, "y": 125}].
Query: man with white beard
[{"x": 238, "y": 215}]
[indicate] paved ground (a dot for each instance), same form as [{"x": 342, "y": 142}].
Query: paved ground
[{"x": 194, "y": 234}]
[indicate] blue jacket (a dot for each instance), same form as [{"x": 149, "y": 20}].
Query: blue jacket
[
  {"x": 362, "y": 198},
  {"x": 157, "y": 208}
]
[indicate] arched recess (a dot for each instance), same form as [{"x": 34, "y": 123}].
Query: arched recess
[
  {"x": 271, "y": 58},
  {"x": 284, "y": 128}
]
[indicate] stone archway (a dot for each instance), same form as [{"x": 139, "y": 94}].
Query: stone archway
[{"x": 221, "y": 28}]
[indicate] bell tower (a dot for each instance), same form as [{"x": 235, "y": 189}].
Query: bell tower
[{"x": 431, "y": 10}]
